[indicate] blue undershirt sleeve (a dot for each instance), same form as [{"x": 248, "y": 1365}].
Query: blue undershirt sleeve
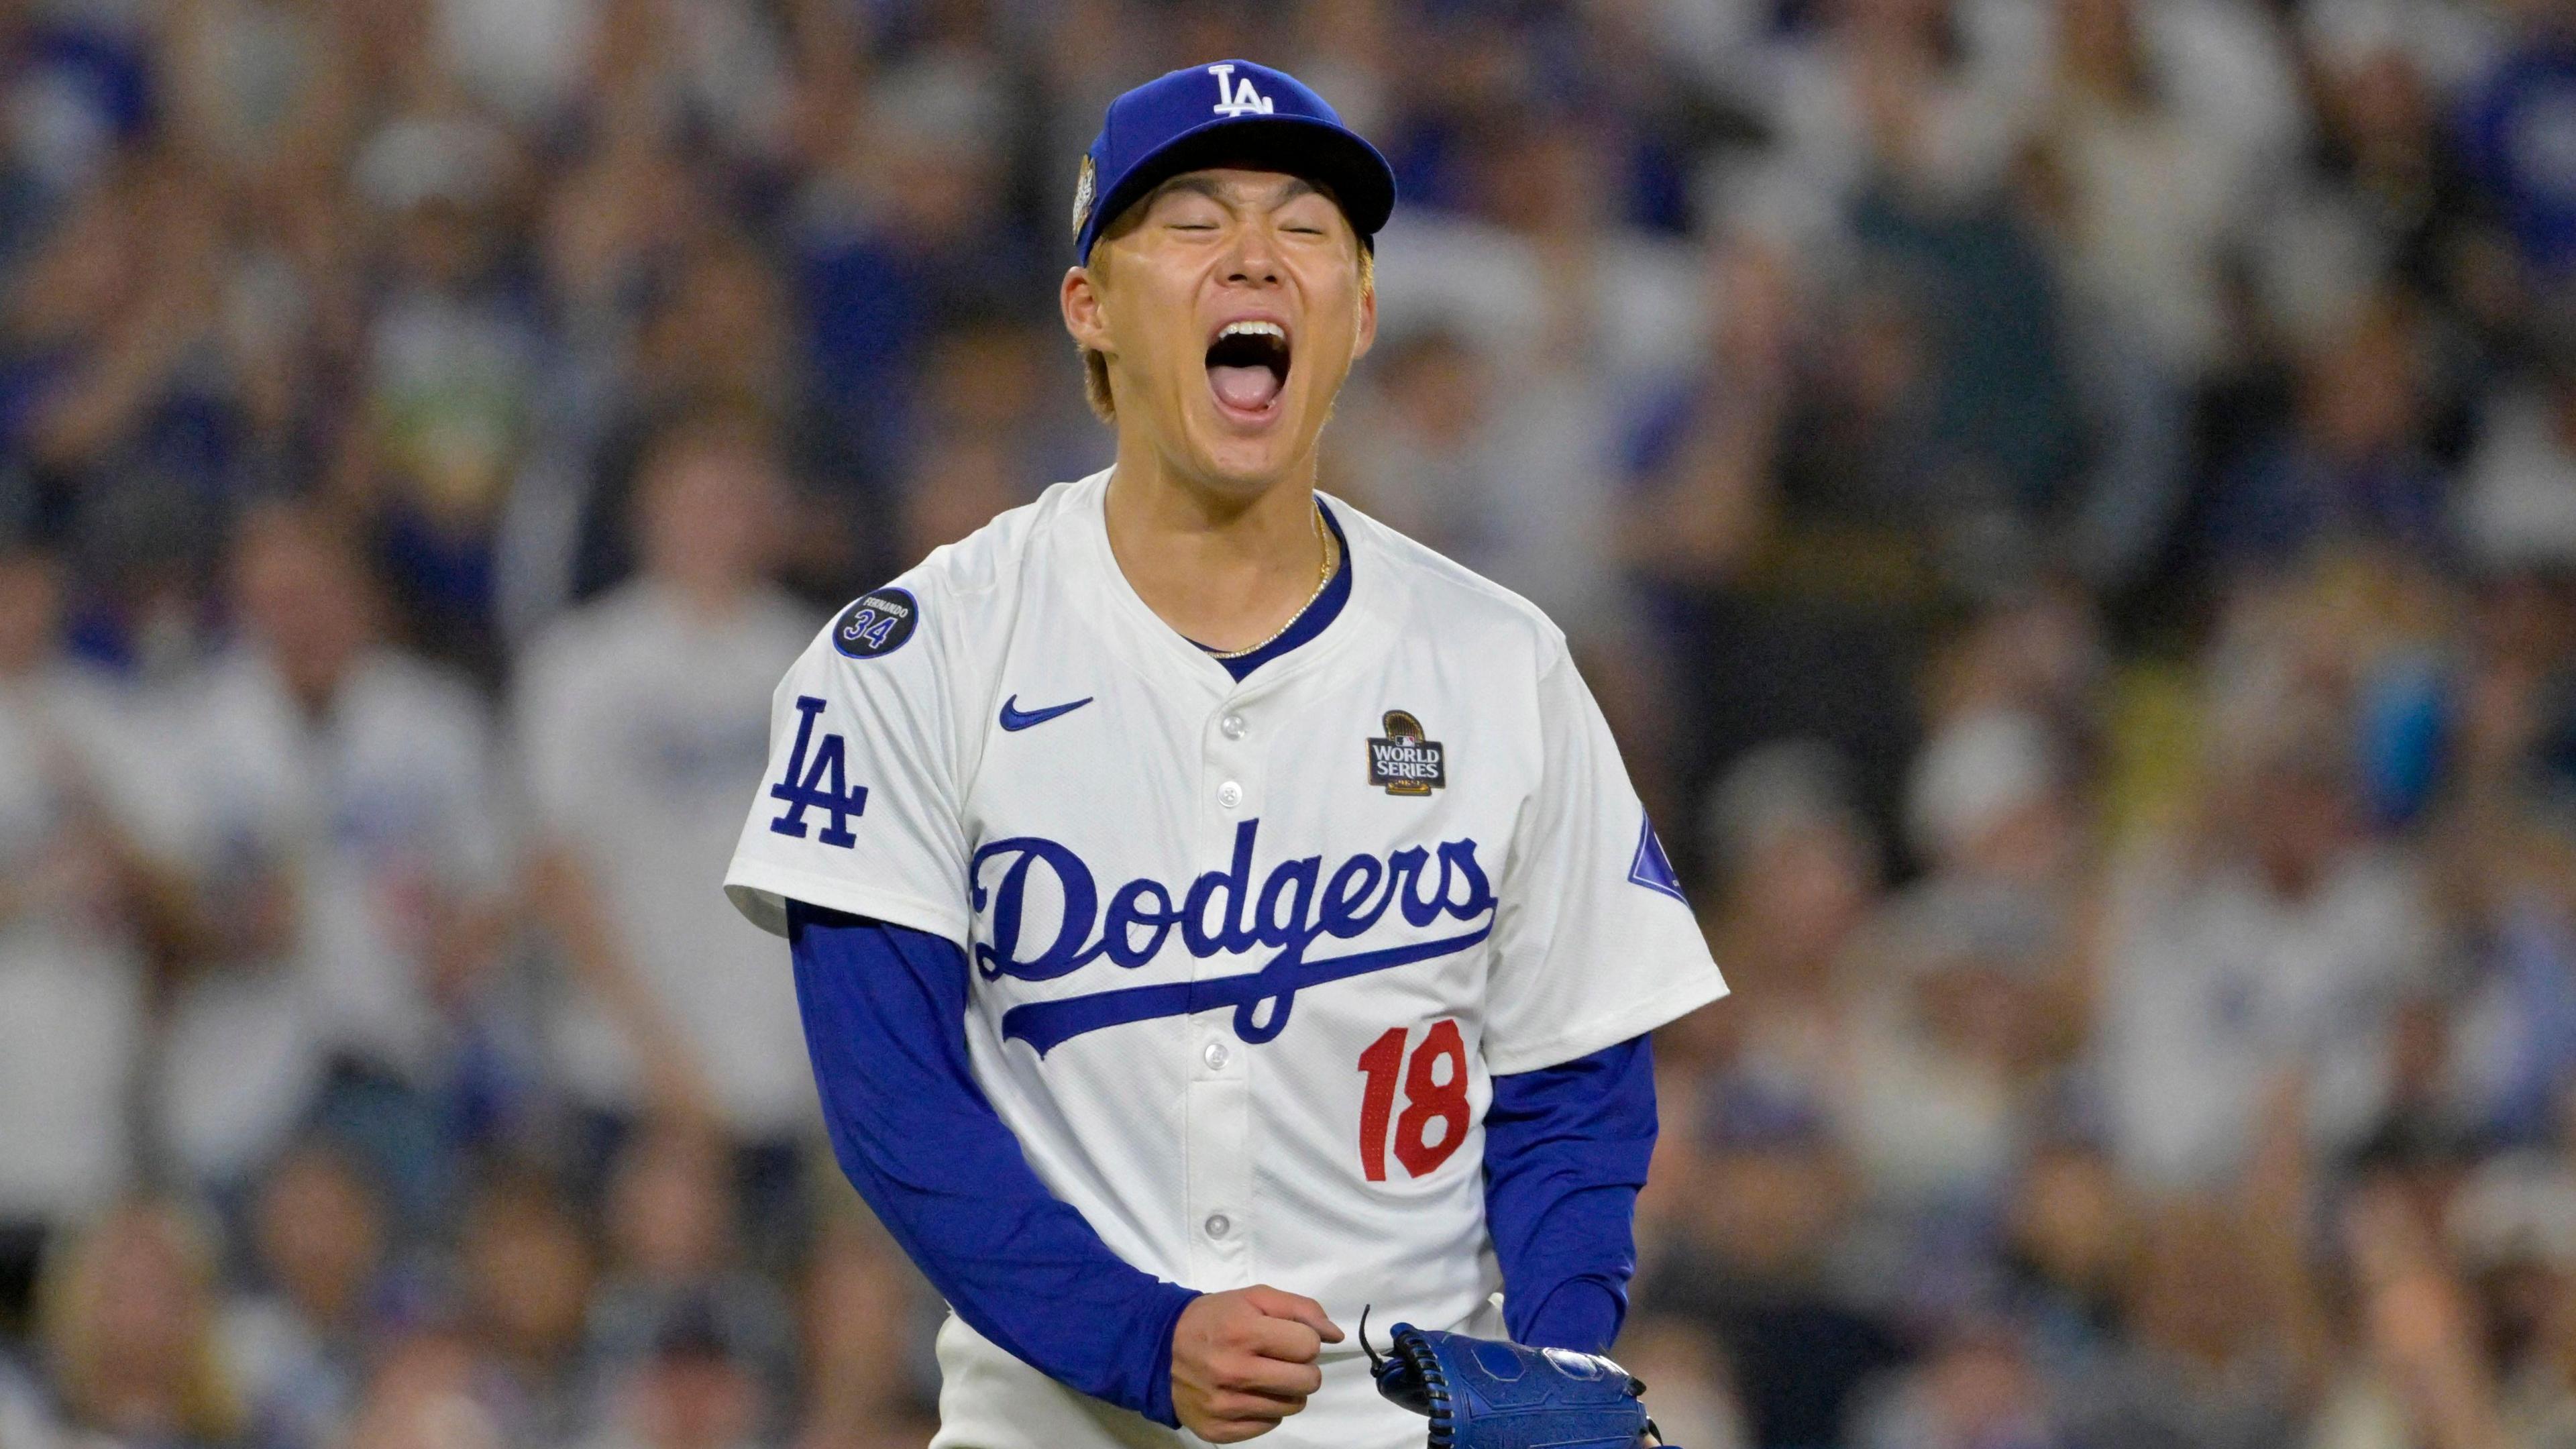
[
  {"x": 885, "y": 1021},
  {"x": 1566, "y": 1149}
]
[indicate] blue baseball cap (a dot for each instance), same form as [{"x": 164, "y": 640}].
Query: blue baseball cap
[{"x": 1231, "y": 113}]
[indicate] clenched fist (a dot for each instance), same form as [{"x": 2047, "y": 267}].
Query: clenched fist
[{"x": 1242, "y": 1361}]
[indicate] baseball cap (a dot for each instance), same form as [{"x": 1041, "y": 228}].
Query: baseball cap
[{"x": 1230, "y": 112}]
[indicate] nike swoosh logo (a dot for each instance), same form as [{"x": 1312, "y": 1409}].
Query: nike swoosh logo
[{"x": 1014, "y": 718}]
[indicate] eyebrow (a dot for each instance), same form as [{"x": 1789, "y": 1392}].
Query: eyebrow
[{"x": 1290, "y": 188}]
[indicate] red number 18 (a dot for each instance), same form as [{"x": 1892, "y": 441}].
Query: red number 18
[{"x": 1429, "y": 1099}]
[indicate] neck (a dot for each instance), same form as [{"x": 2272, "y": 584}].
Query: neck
[{"x": 1225, "y": 569}]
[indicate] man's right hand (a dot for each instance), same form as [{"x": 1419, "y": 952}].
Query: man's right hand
[{"x": 1244, "y": 1360}]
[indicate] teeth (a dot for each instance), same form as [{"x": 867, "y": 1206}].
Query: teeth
[{"x": 1254, "y": 329}]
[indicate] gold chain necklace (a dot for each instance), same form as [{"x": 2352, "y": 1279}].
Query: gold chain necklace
[{"x": 1323, "y": 576}]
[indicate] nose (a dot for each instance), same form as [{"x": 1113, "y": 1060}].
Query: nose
[{"x": 1254, "y": 262}]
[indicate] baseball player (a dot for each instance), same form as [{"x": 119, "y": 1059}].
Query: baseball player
[{"x": 1213, "y": 914}]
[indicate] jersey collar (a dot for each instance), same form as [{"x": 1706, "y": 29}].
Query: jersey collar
[
  {"x": 1156, "y": 647},
  {"x": 1320, "y": 611}
]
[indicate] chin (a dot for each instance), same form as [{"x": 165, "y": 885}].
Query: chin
[
  {"x": 1231, "y": 460},
  {"x": 1237, "y": 449}
]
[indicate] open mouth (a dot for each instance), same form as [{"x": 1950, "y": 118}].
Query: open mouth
[{"x": 1247, "y": 365}]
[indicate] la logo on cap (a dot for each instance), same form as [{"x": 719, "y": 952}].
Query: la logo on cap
[{"x": 1233, "y": 99}]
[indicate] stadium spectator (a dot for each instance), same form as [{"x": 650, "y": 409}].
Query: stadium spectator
[
  {"x": 1976, "y": 1387},
  {"x": 527, "y": 1271},
  {"x": 2271, "y": 936},
  {"x": 2215, "y": 1348},
  {"x": 1694, "y": 1403},
  {"x": 2514, "y": 128},
  {"x": 2518, "y": 493},
  {"x": 643, "y": 729},
  {"x": 2352, "y": 472},
  {"x": 861, "y": 1314},
  {"x": 128, "y": 1328},
  {"x": 1798, "y": 876},
  {"x": 72, "y": 971},
  {"x": 422, "y": 1395},
  {"x": 452, "y": 358},
  {"x": 674, "y": 1247},
  {"x": 297, "y": 1344},
  {"x": 692, "y": 1392},
  {"x": 1758, "y": 1255},
  {"x": 371, "y": 773}
]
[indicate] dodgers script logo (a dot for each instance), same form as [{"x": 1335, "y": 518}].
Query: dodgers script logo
[{"x": 1220, "y": 914}]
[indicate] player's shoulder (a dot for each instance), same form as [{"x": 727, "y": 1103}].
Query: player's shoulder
[{"x": 1468, "y": 610}]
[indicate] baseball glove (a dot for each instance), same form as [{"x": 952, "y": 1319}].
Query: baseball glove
[{"x": 1483, "y": 1393}]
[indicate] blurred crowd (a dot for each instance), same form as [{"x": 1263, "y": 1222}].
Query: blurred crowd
[{"x": 2069, "y": 504}]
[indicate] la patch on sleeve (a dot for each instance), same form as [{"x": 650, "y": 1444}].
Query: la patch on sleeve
[{"x": 877, "y": 624}]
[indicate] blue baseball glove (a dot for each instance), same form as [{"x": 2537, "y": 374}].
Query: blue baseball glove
[{"x": 1483, "y": 1393}]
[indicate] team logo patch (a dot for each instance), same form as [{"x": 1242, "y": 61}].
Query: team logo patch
[
  {"x": 1652, "y": 868},
  {"x": 877, "y": 624},
  {"x": 1083, "y": 187},
  {"x": 1237, "y": 98},
  {"x": 1404, "y": 762},
  {"x": 817, "y": 778}
]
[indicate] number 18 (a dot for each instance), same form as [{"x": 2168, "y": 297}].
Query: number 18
[{"x": 1432, "y": 1101}]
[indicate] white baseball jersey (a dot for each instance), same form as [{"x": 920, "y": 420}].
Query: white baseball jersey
[
  {"x": 73, "y": 1007},
  {"x": 1246, "y": 955},
  {"x": 382, "y": 815},
  {"x": 641, "y": 726}
]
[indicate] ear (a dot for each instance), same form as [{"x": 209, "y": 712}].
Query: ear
[
  {"x": 1084, "y": 317},
  {"x": 1368, "y": 321}
]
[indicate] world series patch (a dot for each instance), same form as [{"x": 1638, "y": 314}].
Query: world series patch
[
  {"x": 1404, "y": 762},
  {"x": 876, "y": 625},
  {"x": 1082, "y": 196}
]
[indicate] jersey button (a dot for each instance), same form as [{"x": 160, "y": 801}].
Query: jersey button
[
  {"x": 1229, "y": 794},
  {"x": 1218, "y": 1225},
  {"x": 1216, "y": 1056},
  {"x": 1232, "y": 725}
]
